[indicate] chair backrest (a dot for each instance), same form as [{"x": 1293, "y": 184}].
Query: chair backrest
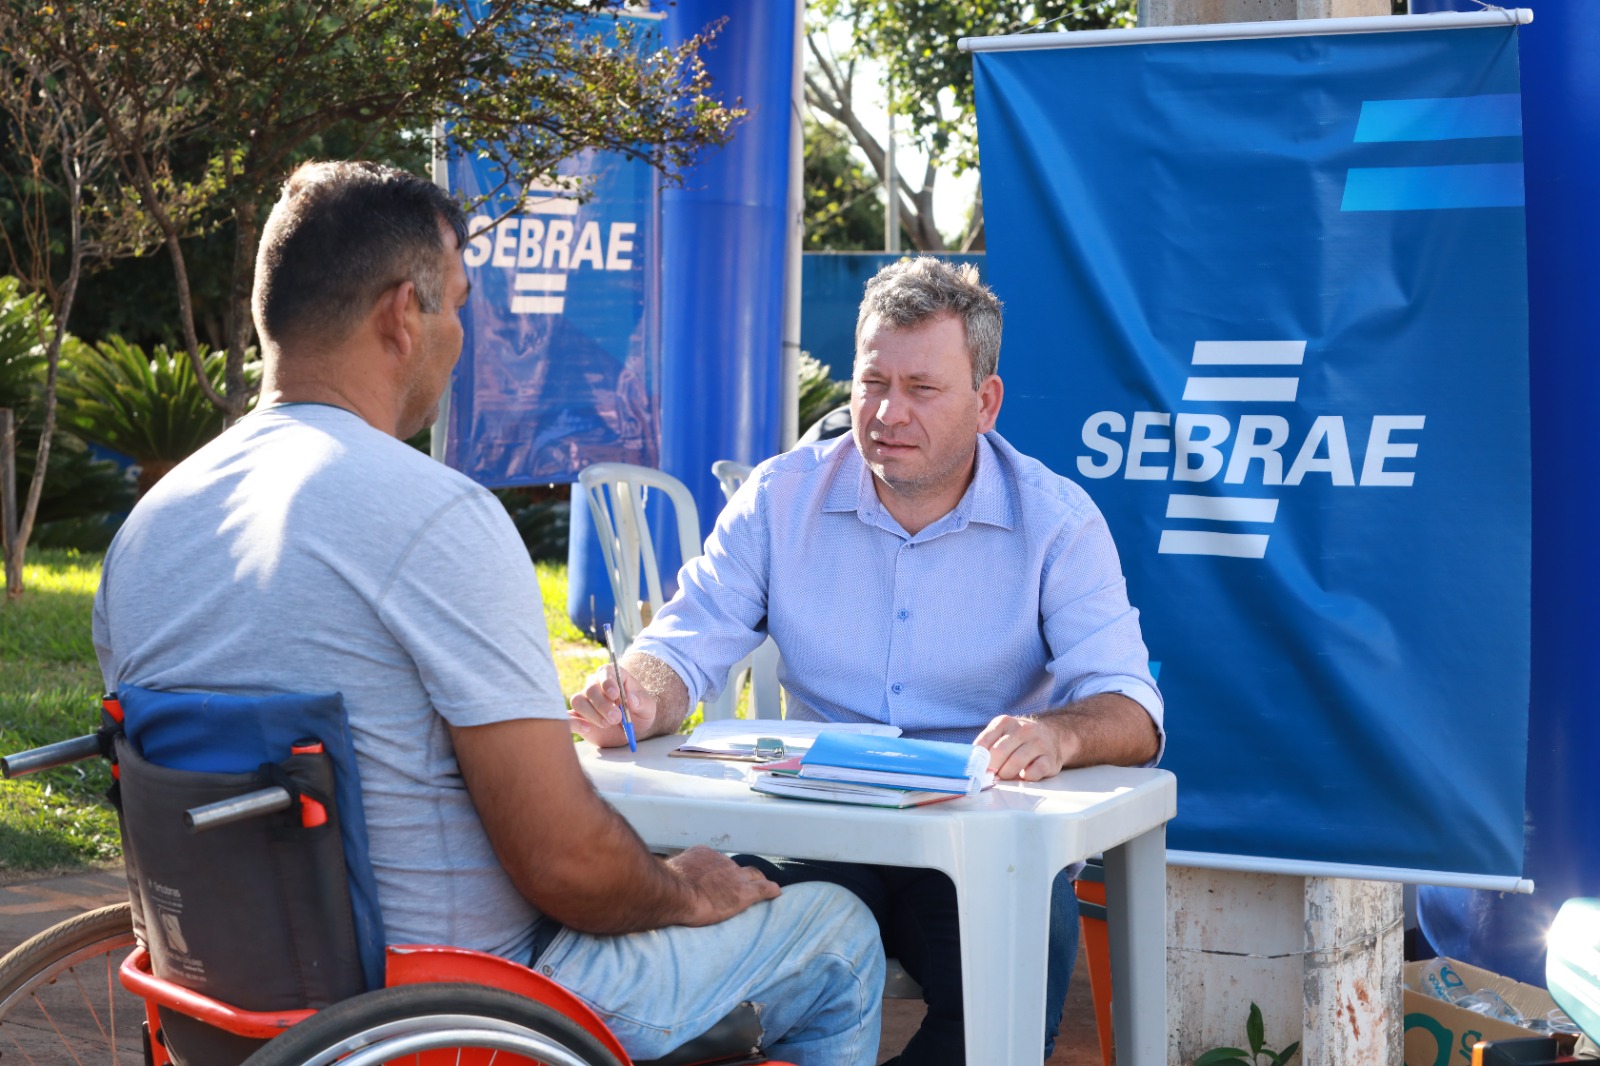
[
  {"x": 617, "y": 493},
  {"x": 277, "y": 912},
  {"x": 763, "y": 663},
  {"x": 730, "y": 475}
]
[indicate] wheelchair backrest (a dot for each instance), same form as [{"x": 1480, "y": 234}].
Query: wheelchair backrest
[{"x": 264, "y": 913}]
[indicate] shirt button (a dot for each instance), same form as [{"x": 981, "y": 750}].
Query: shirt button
[
  {"x": 895, "y": 688},
  {"x": 903, "y": 614}
]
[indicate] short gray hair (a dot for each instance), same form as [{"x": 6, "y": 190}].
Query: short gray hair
[{"x": 913, "y": 291}]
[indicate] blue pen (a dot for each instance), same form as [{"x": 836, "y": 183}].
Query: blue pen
[{"x": 622, "y": 704}]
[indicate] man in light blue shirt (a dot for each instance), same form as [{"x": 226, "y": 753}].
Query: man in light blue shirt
[{"x": 923, "y": 573}]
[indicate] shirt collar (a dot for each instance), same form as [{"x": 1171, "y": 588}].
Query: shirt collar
[{"x": 987, "y": 500}]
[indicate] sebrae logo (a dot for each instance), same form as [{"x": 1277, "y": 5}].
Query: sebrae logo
[
  {"x": 1262, "y": 453},
  {"x": 546, "y": 245}
]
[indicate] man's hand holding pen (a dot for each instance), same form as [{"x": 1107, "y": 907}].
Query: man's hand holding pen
[{"x": 595, "y": 714}]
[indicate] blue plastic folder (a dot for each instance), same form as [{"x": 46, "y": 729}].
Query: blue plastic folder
[{"x": 898, "y": 762}]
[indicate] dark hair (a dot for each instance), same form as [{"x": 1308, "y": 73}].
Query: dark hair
[
  {"x": 913, "y": 291},
  {"x": 339, "y": 236}
]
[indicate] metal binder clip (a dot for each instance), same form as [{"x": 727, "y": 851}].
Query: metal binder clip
[{"x": 769, "y": 749}]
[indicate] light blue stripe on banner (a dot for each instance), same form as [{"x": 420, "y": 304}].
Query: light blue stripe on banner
[
  {"x": 1451, "y": 118},
  {"x": 1432, "y": 188}
]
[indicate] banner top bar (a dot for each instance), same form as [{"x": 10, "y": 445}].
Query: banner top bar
[{"x": 1226, "y": 31}]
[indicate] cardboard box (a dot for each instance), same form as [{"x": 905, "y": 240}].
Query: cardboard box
[{"x": 1441, "y": 1034}]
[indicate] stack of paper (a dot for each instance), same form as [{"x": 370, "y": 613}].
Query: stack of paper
[
  {"x": 879, "y": 771},
  {"x": 736, "y": 738}
]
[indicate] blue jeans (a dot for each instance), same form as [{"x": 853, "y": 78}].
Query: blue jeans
[
  {"x": 810, "y": 961},
  {"x": 916, "y": 912}
]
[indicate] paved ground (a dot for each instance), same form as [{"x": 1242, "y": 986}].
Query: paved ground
[{"x": 27, "y": 907}]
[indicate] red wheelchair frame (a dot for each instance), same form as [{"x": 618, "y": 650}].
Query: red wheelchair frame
[{"x": 500, "y": 1011}]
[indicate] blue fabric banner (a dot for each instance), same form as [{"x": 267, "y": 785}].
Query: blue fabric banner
[
  {"x": 1267, "y": 302},
  {"x": 560, "y": 367}
]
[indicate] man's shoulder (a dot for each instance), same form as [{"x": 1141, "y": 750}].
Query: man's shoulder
[
  {"x": 805, "y": 468},
  {"x": 346, "y": 450},
  {"x": 1039, "y": 489},
  {"x": 328, "y": 464}
]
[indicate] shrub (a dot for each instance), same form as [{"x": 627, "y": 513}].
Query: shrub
[{"x": 150, "y": 408}]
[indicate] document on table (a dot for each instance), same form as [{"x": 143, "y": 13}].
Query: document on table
[{"x": 735, "y": 738}]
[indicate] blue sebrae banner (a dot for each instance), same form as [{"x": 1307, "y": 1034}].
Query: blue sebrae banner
[
  {"x": 560, "y": 366},
  {"x": 1266, "y": 300}
]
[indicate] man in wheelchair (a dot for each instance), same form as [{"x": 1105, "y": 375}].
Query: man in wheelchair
[{"x": 308, "y": 549}]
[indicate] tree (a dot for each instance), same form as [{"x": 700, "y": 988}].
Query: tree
[
  {"x": 260, "y": 86},
  {"x": 914, "y": 41},
  {"x": 61, "y": 153},
  {"x": 844, "y": 209}
]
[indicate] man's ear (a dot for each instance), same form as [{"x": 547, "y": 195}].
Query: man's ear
[
  {"x": 990, "y": 393},
  {"x": 390, "y": 316}
]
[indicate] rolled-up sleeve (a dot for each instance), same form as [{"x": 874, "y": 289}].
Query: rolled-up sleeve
[{"x": 1090, "y": 627}]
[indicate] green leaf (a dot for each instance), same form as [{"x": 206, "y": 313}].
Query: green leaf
[
  {"x": 1222, "y": 1056},
  {"x": 1287, "y": 1053},
  {"x": 1254, "y": 1030}
]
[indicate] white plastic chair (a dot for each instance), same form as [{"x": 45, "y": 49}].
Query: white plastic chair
[
  {"x": 730, "y": 475},
  {"x": 765, "y": 692},
  {"x": 617, "y": 493}
]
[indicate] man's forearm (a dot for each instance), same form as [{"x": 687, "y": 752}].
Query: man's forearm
[
  {"x": 664, "y": 684},
  {"x": 1107, "y": 729},
  {"x": 618, "y": 887},
  {"x": 563, "y": 846}
]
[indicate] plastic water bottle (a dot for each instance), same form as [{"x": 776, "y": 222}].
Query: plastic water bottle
[
  {"x": 1438, "y": 980},
  {"x": 1489, "y": 1004}
]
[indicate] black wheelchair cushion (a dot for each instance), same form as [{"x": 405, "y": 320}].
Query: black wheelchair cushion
[{"x": 735, "y": 1039}]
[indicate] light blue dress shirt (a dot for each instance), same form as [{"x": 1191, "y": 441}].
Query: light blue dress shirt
[{"x": 1013, "y": 603}]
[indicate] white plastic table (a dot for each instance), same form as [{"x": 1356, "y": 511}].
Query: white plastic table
[{"x": 1002, "y": 849}]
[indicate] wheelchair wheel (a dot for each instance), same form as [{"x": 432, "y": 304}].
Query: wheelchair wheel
[
  {"x": 60, "y": 1000},
  {"x": 469, "y": 1024}
]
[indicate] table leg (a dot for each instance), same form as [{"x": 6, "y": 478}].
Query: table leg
[
  {"x": 1003, "y": 895},
  {"x": 1136, "y": 916}
]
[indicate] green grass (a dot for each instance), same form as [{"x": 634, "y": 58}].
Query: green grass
[
  {"x": 575, "y": 654},
  {"x": 49, "y": 690}
]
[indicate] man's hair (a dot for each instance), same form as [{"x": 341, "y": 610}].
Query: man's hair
[
  {"x": 913, "y": 291},
  {"x": 338, "y": 238}
]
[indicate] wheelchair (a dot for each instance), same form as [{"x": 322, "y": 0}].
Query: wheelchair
[{"x": 244, "y": 940}]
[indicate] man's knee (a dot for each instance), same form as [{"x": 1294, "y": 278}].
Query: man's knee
[{"x": 834, "y": 921}]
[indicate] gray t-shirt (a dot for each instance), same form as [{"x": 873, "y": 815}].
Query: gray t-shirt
[{"x": 305, "y": 551}]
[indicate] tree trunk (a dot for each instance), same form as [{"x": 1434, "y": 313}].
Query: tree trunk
[
  {"x": 241, "y": 323},
  {"x": 8, "y": 503}
]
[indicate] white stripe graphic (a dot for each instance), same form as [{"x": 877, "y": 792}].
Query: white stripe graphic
[
  {"x": 1249, "y": 353},
  {"x": 538, "y": 305},
  {"x": 1242, "y": 390},
  {"x": 551, "y": 205},
  {"x": 1222, "y": 508},
  {"x": 1228, "y": 545},
  {"x": 540, "y": 283},
  {"x": 559, "y": 202}
]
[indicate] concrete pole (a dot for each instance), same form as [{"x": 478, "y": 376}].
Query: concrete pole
[
  {"x": 1205, "y": 12},
  {"x": 891, "y": 209},
  {"x": 793, "y": 259},
  {"x": 1320, "y": 956}
]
